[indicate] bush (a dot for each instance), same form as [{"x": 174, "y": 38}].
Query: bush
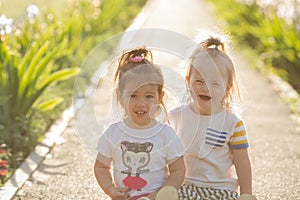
[
  {"x": 273, "y": 38},
  {"x": 38, "y": 62},
  {"x": 4, "y": 167}
]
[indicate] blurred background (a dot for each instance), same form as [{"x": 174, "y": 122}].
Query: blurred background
[{"x": 43, "y": 43}]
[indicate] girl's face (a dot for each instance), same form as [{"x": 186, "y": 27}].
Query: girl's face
[
  {"x": 140, "y": 104},
  {"x": 207, "y": 85}
]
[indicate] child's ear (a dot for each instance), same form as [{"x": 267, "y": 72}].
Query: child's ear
[
  {"x": 162, "y": 94},
  {"x": 187, "y": 80}
]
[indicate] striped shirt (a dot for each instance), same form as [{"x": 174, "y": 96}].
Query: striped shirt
[
  {"x": 208, "y": 142},
  {"x": 239, "y": 138}
]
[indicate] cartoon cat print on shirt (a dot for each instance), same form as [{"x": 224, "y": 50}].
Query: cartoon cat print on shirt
[{"x": 135, "y": 156}]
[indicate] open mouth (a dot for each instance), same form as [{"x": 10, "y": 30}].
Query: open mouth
[
  {"x": 205, "y": 97},
  {"x": 140, "y": 112}
]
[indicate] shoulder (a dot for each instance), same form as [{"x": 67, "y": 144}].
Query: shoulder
[
  {"x": 167, "y": 130},
  {"x": 233, "y": 118},
  {"x": 112, "y": 128},
  {"x": 177, "y": 115},
  {"x": 164, "y": 127},
  {"x": 170, "y": 138},
  {"x": 179, "y": 108},
  {"x": 178, "y": 111}
]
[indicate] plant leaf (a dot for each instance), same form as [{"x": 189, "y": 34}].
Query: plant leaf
[
  {"x": 61, "y": 75},
  {"x": 49, "y": 104}
]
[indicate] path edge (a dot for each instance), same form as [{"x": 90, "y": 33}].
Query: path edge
[{"x": 37, "y": 156}]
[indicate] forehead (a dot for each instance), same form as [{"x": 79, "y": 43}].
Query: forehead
[
  {"x": 133, "y": 86},
  {"x": 209, "y": 67}
]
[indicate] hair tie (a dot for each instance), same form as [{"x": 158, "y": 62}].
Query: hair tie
[
  {"x": 214, "y": 46},
  {"x": 137, "y": 59}
]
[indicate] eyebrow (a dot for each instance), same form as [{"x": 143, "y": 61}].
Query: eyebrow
[
  {"x": 132, "y": 92},
  {"x": 216, "y": 81},
  {"x": 150, "y": 92}
]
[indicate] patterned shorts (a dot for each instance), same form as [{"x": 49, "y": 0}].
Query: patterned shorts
[{"x": 191, "y": 192}]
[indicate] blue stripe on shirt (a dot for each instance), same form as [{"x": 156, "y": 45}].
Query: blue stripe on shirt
[{"x": 239, "y": 146}]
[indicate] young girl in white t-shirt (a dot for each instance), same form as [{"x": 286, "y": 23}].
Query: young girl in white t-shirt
[
  {"x": 145, "y": 154},
  {"x": 214, "y": 137}
]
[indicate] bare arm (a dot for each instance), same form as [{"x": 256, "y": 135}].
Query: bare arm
[
  {"x": 243, "y": 169},
  {"x": 177, "y": 173},
  {"x": 104, "y": 179}
]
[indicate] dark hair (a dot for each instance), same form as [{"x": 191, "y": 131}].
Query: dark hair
[
  {"x": 126, "y": 61},
  {"x": 137, "y": 64}
]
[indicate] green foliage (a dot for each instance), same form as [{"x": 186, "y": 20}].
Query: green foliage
[
  {"x": 4, "y": 166},
  {"x": 280, "y": 47},
  {"x": 275, "y": 40},
  {"x": 237, "y": 18},
  {"x": 39, "y": 62},
  {"x": 23, "y": 81}
]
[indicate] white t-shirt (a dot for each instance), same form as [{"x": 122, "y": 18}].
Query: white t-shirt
[
  {"x": 208, "y": 140},
  {"x": 140, "y": 156}
]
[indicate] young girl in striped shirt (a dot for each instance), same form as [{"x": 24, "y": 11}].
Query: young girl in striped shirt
[{"x": 215, "y": 139}]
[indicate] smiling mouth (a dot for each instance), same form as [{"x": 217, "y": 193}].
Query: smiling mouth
[
  {"x": 140, "y": 112},
  {"x": 205, "y": 97}
]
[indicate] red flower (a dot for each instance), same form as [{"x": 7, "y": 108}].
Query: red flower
[
  {"x": 3, "y": 172},
  {"x": 3, "y": 163},
  {"x": 2, "y": 151}
]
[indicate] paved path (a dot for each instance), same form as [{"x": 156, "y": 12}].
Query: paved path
[{"x": 67, "y": 171}]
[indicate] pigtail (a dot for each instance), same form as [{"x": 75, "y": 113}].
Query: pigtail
[
  {"x": 213, "y": 43},
  {"x": 137, "y": 64},
  {"x": 132, "y": 58}
]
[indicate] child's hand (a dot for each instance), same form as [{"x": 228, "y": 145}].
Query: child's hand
[{"x": 117, "y": 193}]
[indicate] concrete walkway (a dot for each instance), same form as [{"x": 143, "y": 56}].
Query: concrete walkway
[{"x": 67, "y": 171}]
